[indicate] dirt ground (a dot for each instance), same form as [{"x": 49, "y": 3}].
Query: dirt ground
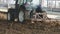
[
  {"x": 29, "y": 28},
  {"x": 42, "y": 27}
]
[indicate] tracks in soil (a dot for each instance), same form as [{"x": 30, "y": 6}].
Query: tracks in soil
[{"x": 27, "y": 28}]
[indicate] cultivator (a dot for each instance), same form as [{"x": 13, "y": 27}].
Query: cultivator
[{"x": 39, "y": 17}]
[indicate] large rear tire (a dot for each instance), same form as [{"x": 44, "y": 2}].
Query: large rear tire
[
  {"x": 10, "y": 15},
  {"x": 21, "y": 16}
]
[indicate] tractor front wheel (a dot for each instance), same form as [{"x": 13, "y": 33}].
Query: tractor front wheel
[{"x": 21, "y": 16}]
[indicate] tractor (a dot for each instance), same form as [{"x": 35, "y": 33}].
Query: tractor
[{"x": 25, "y": 10}]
